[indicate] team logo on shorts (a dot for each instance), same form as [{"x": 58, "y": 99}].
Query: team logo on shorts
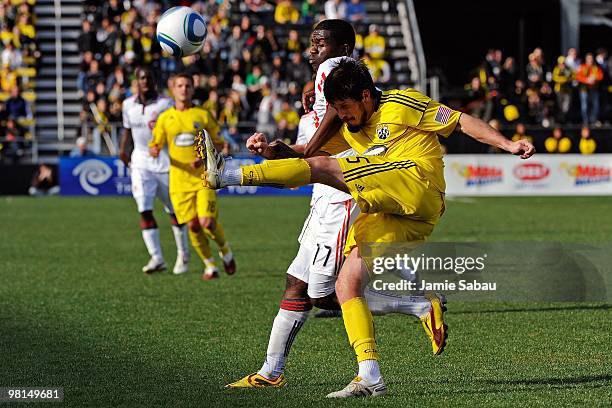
[{"x": 382, "y": 131}]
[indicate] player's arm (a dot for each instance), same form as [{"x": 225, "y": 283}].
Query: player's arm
[
  {"x": 125, "y": 146},
  {"x": 159, "y": 137},
  {"x": 330, "y": 125},
  {"x": 127, "y": 143},
  {"x": 481, "y": 131}
]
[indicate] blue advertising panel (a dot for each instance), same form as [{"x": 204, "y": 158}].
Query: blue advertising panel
[
  {"x": 94, "y": 175},
  {"x": 107, "y": 175}
]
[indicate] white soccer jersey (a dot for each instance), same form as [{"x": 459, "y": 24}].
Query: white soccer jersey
[
  {"x": 318, "y": 112},
  {"x": 140, "y": 119}
]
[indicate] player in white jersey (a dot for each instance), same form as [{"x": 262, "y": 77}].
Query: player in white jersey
[
  {"x": 150, "y": 174},
  {"x": 311, "y": 277}
]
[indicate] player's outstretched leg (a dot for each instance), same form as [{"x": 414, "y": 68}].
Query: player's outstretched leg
[
  {"x": 215, "y": 231},
  {"x": 202, "y": 248},
  {"x": 292, "y": 315},
  {"x": 150, "y": 236},
  {"x": 360, "y": 330},
  {"x": 284, "y": 173},
  {"x": 182, "y": 246}
]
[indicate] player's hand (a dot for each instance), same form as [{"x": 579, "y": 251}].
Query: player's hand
[
  {"x": 308, "y": 98},
  {"x": 523, "y": 148},
  {"x": 258, "y": 144},
  {"x": 154, "y": 151},
  {"x": 124, "y": 157},
  {"x": 196, "y": 164}
]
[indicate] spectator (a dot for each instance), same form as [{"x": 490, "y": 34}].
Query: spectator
[
  {"x": 286, "y": 13},
  {"x": 557, "y": 143},
  {"x": 335, "y": 9},
  {"x": 300, "y": 72},
  {"x": 293, "y": 45},
  {"x": 589, "y": 75},
  {"x": 87, "y": 39},
  {"x": 44, "y": 182},
  {"x": 235, "y": 43},
  {"x": 508, "y": 76},
  {"x": 535, "y": 72},
  {"x": 571, "y": 59},
  {"x": 310, "y": 10},
  {"x": 475, "y": 98},
  {"x": 355, "y": 11},
  {"x": 81, "y": 149},
  {"x": 374, "y": 43},
  {"x": 587, "y": 144},
  {"x": 288, "y": 115},
  {"x": 520, "y": 133},
  {"x": 562, "y": 78},
  {"x": 11, "y": 57},
  {"x": 16, "y": 106}
]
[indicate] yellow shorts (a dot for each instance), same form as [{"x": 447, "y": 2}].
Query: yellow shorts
[
  {"x": 194, "y": 204},
  {"x": 398, "y": 204}
]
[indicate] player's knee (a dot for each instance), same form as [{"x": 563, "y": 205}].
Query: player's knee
[
  {"x": 328, "y": 302},
  {"x": 208, "y": 223},
  {"x": 295, "y": 288},
  {"x": 147, "y": 221},
  {"x": 194, "y": 226}
]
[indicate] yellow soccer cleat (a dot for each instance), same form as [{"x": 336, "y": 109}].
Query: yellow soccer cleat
[
  {"x": 256, "y": 380},
  {"x": 433, "y": 323}
]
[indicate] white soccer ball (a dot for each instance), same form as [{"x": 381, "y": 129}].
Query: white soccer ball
[{"x": 181, "y": 31}]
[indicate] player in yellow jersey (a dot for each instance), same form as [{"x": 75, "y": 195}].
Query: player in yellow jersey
[
  {"x": 397, "y": 181},
  {"x": 176, "y": 128}
]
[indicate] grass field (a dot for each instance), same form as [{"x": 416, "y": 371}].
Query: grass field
[{"x": 76, "y": 312}]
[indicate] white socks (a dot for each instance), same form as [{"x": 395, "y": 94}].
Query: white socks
[
  {"x": 286, "y": 326},
  {"x": 181, "y": 239},
  {"x": 150, "y": 237},
  {"x": 381, "y": 303},
  {"x": 369, "y": 371}
]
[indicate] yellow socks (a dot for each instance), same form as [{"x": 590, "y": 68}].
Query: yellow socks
[
  {"x": 360, "y": 328},
  {"x": 200, "y": 244},
  {"x": 218, "y": 235},
  {"x": 285, "y": 173}
]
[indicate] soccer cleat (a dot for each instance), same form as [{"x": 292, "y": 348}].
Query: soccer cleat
[
  {"x": 433, "y": 323},
  {"x": 210, "y": 274},
  {"x": 229, "y": 263},
  {"x": 154, "y": 266},
  {"x": 326, "y": 313},
  {"x": 256, "y": 380},
  {"x": 181, "y": 265},
  {"x": 215, "y": 163},
  {"x": 359, "y": 388}
]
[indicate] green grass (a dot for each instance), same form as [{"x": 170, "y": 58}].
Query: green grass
[{"x": 76, "y": 312}]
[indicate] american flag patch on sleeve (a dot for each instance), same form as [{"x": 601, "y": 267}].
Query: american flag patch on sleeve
[{"x": 443, "y": 115}]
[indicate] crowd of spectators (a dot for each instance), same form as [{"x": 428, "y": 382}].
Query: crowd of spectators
[
  {"x": 572, "y": 90},
  {"x": 246, "y": 72},
  {"x": 19, "y": 55}
]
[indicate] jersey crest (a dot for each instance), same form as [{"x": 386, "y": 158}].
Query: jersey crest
[{"x": 382, "y": 131}]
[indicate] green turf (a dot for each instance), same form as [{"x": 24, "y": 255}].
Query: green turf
[{"x": 76, "y": 312}]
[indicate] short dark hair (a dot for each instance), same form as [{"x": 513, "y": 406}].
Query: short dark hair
[
  {"x": 348, "y": 80},
  {"x": 185, "y": 75},
  {"x": 341, "y": 31}
]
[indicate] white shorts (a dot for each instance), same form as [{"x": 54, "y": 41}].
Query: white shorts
[
  {"x": 146, "y": 185},
  {"x": 322, "y": 240}
]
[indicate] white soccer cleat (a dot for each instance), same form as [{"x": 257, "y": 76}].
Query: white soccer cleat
[
  {"x": 181, "y": 265},
  {"x": 153, "y": 266},
  {"x": 359, "y": 388},
  {"x": 215, "y": 164}
]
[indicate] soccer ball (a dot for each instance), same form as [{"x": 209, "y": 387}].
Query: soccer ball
[{"x": 181, "y": 31}]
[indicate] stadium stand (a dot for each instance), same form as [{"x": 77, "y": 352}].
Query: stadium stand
[{"x": 19, "y": 58}]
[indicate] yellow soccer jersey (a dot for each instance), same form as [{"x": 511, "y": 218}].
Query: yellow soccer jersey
[
  {"x": 177, "y": 129},
  {"x": 406, "y": 126}
]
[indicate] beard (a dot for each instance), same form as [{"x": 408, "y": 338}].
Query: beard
[{"x": 357, "y": 128}]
